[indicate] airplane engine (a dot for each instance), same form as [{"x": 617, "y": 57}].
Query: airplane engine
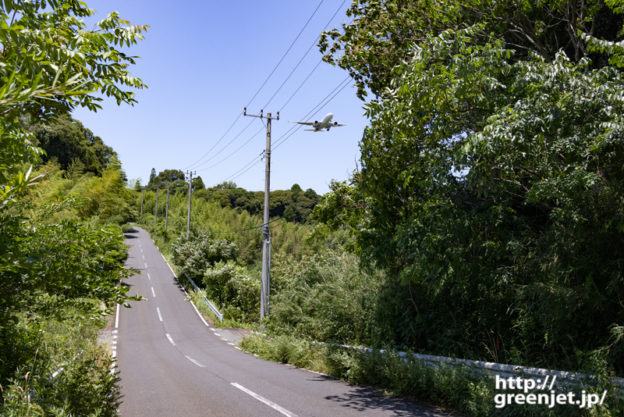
[{"x": 315, "y": 123}]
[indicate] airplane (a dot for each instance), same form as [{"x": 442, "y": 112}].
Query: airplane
[{"x": 325, "y": 123}]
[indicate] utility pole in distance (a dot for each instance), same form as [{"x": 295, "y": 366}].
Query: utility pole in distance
[
  {"x": 265, "y": 291},
  {"x": 156, "y": 208},
  {"x": 142, "y": 192},
  {"x": 167, "y": 208},
  {"x": 190, "y": 191}
]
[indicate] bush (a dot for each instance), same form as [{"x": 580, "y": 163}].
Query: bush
[
  {"x": 323, "y": 297},
  {"x": 195, "y": 255},
  {"x": 237, "y": 292}
]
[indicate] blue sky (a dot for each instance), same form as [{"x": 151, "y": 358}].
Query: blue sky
[{"x": 203, "y": 61}]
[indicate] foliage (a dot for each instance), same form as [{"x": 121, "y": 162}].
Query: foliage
[
  {"x": 195, "y": 255},
  {"x": 455, "y": 387},
  {"x": 73, "y": 146},
  {"x": 173, "y": 178},
  {"x": 488, "y": 189},
  {"x": 381, "y": 33},
  {"x": 236, "y": 291},
  {"x": 294, "y": 205},
  {"x": 63, "y": 346},
  {"x": 324, "y": 296},
  {"x": 104, "y": 197},
  {"x": 58, "y": 273}
]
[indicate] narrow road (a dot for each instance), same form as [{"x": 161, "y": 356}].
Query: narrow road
[{"x": 173, "y": 364}]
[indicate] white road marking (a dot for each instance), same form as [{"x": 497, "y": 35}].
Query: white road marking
[
  {"x": 149, "y": 277},
  {"x": 153, "y": 293},
  {"x": 170, "y": 339},
  {"x": 114, "y": 355},
  {"x": 174, "y": 274},
  {"x": 198, "y": 313},
  {"x": 264, "y": 400},
  {"x": 145, "y": 264},
  {"x": 117, "y": 317},
  {"x": 194, "y": 361},
  {"x": 159, "y": 316},
  {"x": 217, "y": 334}
]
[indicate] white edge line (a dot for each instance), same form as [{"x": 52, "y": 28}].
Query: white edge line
[
  {"x": 153, "y": 293},
  {"x": 117, "y": 317},
  {"x": 199, "y": 314},
  {"x": 114, "y": 354},
  {"x": 148, "y": 276},
  {"x": 170, "y": 339},
  {"x": 194, "y": 361},
  {"x": 192, "y": 303},
  {"x": 159, "y": 316},
  {"x": 264, "y": 400},
  {"x": 174, "y": 274}
]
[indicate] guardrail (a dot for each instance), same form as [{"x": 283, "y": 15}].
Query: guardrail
[
  {"x": 492, "y": 368},
  {"x": 212, "y": 307}
]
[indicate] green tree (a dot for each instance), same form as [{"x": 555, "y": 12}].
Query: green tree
[
  {"x": 69, "y": 142},
  {"x": 383, "y": 32},
  {"x": 51, "y": 63},
  {"x": 172, "y": 177},
  {"x": 198, "y": 184},
  {"x": 488, "y": 172}
]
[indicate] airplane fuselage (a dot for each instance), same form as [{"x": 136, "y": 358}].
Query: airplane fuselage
[{"x": 325, "y": 123}]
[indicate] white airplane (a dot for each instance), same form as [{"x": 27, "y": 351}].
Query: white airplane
[{"x": 325, "y": 123}]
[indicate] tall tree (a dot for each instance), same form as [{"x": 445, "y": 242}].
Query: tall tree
[
  {"x": 492, "y": 160},
  {"x": 67, "y": 141},
  {"x": 382, "y": 33}
]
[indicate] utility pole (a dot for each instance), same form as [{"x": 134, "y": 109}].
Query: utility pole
[
  {"x": 265, "y": 291},
  {"x": 190, "y": 191},
  {"x": 142, "y": 192},
  {"x": 167, "y": 208},
  {"x": 156, "y": 208}
]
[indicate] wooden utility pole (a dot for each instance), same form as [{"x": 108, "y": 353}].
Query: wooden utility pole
[
  {"x": 167, "y": 208},
  {"x": 265, "y": 290},
  {"x": 156, "y": 208},
  {"x": 190, "y": 191},
  {"x": 142, "y": 192}
]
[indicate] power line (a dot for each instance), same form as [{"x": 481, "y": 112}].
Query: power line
[
  {"x": 326, "y": 100},
  {"x": 226, "y": 145},
  {"x": 230, "y": 232},
  {"x": 250, "y": 163},
  {"x": 237, "y": 149},
  {"x": 236, "y": 175},
  {"x": 302, "y": 83},
  {"x": 285, "y": 53},
  {"x": 302, "y": 58},
  {"x": 195, "y": 164},
  {"x": 287, "y": 78},
  {"x": 217, "y": 142}
]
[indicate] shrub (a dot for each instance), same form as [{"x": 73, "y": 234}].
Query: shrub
[
  {"x": 235, "y": 290},
  {"x": 195, "y": 255}
]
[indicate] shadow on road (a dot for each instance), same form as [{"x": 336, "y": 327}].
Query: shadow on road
[
  {"x": 365, "y": 399},
  {"x": 131, "y": 234}
]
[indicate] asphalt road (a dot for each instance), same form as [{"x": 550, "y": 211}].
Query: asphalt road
[{"x": 172, "y": 363}]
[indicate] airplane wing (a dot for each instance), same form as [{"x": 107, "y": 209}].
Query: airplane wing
[
  {"x": 305, "y": 123},
  {"x": 338, "y": 125}
]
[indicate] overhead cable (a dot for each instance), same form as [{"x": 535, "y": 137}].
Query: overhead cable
[{"x": 285, "y": 53}]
